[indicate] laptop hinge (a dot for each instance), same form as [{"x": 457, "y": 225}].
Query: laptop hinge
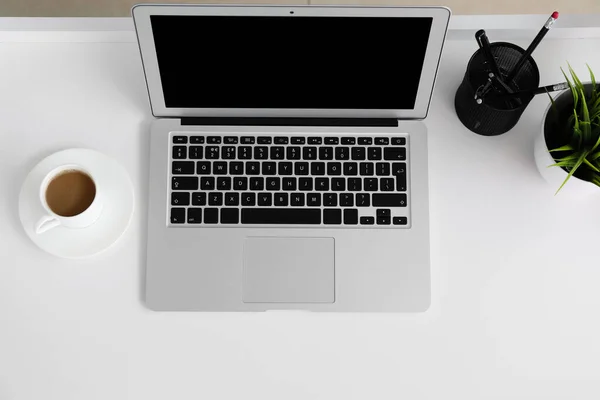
[{"x": 261, "y": 121}]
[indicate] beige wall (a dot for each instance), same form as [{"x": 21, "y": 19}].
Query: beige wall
[{"x": 120, "y": 8}]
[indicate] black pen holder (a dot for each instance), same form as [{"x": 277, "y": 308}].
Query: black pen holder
[{"x": 495, "y": 115}]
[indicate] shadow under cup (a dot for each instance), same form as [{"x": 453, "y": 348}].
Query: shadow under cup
[
  {"x": 495, "y": 116},
  {"x": 70, "y": 193}
]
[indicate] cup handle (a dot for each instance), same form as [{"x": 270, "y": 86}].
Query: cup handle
[{"x": 46, "y": 223}]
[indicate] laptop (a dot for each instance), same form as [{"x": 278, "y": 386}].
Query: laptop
[{"x": 288, "y": 159}]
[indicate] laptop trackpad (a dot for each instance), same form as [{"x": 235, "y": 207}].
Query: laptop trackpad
[{"x": 289, "y": 270}]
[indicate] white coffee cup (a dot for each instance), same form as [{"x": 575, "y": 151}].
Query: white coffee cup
[{"x": 52, "y": 220}]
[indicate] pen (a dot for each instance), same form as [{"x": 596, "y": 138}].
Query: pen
[
  {"x": 484, "y": 45},
  {"x": 532, "y": 46},
  {"x": 544, "y": 89}
]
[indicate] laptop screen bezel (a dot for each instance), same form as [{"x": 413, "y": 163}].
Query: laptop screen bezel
[{"x": 440, "y": 15}]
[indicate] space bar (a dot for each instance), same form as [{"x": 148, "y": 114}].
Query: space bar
[{"x": 281, "y": 216}]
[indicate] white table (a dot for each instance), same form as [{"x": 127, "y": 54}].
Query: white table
[{"x": 515, "y": 274}]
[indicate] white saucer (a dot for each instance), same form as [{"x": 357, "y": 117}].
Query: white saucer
[{"x": 110, "y": 226}]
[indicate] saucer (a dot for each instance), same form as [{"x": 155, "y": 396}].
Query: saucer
[{"x": 110, "y": 226}]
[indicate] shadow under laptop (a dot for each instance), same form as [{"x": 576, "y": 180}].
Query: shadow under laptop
[{"x": 142, "y": 202}]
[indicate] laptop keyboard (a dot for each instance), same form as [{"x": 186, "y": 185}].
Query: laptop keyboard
[{"x": 290, "y": 180}]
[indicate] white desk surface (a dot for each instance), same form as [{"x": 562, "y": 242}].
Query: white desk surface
[{"x": 515, "y": 272}]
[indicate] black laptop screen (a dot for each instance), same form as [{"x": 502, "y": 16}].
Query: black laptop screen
[{"x": 290, "y": 62}]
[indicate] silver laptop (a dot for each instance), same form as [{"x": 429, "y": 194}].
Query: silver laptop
[{"x": 288, "y": 163}]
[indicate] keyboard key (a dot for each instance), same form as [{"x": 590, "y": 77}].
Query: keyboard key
[
  {"x": 203, "y": 168},
  {"x": 322, "y": 184},
  {"x": 293, "y": 153},
  {"x": 398, "y": 141},
  {"x": 257, "y": 183},
  {"x": 230, "y": 140},
  {"x": 382, "y": 168},
  {"x": 282, "y": 216},
  {"x": 348, "y": 140},
  {"x": 215, "y": 199},
  {"x": 212, "y": 153},
  {"x": 196, "y": 152},
  {"x": 180, "y": 199},
  {"x": 252, "y": 168},
  {"x": 236, "y": 168},
  {"x": 301, "y": 168},
  {"x": 177, "y": 215},
  {"x": 211, "y": 215},
  {"x": 313, "y": 199},
  {"x": 314, "y": 140},
  {"x": 232, "y": 199},
  {"x": 367, "y": 220},
  {"x": 247, "y": 140},
  {"x": 363, "y": 200},
  {"x": 179, "y": 152},
  {"x": 309, "y": 153},
  {"x": 338, "y": 184},
  {"x": 207, "y": 183},
  {"x": 394, "y": 153},
  {"x": 289, "y": 184},
  {"x": 365, "y": 140},
  {"x": 281, "y": 140},
  {"x": 334, "y": 168},
  {"x": 358, "y": 153},
  {"x": 317, "y": 168},
  {"x": 264, "y": 140},
  {"x": 297, "y": 199},
  {"x": 384, "y": 212},
  {"x": 245, "y": 153},
  {"x": 194, "y": 215},
  {"x": 184, "y": 183},
  {"x": 277, "y": 153},
  {"x": 383, "y": 220},
  {"x": 223, "y": 183},
  {"x": 199, "y": 199},
  {"x": 298, "y": 140},
  {"x": 400, "y": 221},
  {"x": 261, "y": 153},
  {"x": 330, "y": 199},
  {"x": 213, "y": 140},
  {"x": 374, "y": 153},
  {"x": 183, "y": 167},
  {"x": 351, "y": 216},
  {"x": 382, "y": 141},
  {"x": 230, "y": 216},
  {"x": 220, "y": 168},
  {"x": 273, "y": 184},
  {"x": 350, "y": 168},
  {"x": 325, "y": 153},
  {"x": 342, "y": 153},
  {"x": 264, "y": 199},
  {"x": 305, "y": 184},
  {"x": 386, "y": 184},
  {"x": 269, "y": 168},
  {"x": 228, "y": 152},
  {"x": 197, "y": 139},
  {"x": 332, "y": 140},
  {"x": 284, "y": 168},
  {"x": 332, "y": 216},
  {"x": 240, "y": 183},
  {"x": 346, "y": 200},
  {"x": 389, "y": 200},
  {"x": 248, "y": 198},
  {"x": 354, "y": 184},
  {"x": 366, "y": 168},
  {"x": 370, "y": 185},
  {"x": 280, "y": 199}
]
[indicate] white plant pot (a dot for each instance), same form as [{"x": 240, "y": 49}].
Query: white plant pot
[{"x": 556, "y": 175}]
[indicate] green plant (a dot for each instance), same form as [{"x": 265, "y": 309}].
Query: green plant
[{"x": 581, "y": 151}]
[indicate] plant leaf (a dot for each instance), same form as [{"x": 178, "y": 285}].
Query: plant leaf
[
  {"x": 566, "y": 147},
  {"x": 589, "y": 164},
  {"x": 573, "y": 90},
  {"x": 592, "y": 76},
  {"x": 572, "y": 171}
]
